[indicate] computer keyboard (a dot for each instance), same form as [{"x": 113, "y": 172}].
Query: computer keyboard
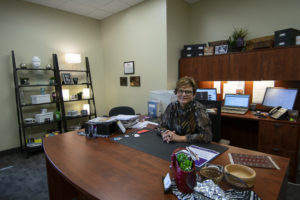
[{"x": 234, "y": 110}]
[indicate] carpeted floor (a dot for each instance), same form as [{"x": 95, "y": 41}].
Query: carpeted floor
[{"x": 24, "y": 178}]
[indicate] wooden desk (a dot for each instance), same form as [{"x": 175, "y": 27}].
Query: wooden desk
[
  {"x": 277, "y": 137},
  {"x": 82, "y": 168}
]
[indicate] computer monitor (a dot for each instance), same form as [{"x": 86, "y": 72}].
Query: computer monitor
[
  {"x": 206, "y": 94},
  {"x": 280, "y": 97}
]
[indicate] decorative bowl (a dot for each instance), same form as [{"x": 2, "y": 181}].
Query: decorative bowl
[
  {"x": 239, "y": 176},
  {"x": 213, "y": 172}
]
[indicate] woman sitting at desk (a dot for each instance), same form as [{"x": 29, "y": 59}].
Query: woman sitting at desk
[{"x": 186, "y": 119}]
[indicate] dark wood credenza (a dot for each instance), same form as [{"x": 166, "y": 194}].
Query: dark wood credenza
[{"x": 282, "y": 65}]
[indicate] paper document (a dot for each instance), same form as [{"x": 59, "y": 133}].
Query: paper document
[
  {"x": 259, "y": 88},
  {"x": 143, "y": 124},
  {"x": 204, "y": 155},
  {"x": 99, "y": 120},
  {"x": 217, "y": 85},
  {"x": 232, "y": 87},
  {"x": 125, "y": 117}
]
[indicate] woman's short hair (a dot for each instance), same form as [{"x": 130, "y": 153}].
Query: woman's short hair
[{"x": 186, "y": 81}]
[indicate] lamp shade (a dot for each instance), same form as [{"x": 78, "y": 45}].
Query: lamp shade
[
  {"x": 66, "y": 95},
  {"x": 73, "y": 58},
  {"x": 86, "y": 93}
]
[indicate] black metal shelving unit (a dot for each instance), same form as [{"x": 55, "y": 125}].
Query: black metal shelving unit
[
  {"x": 88, "y": 83},
  {"x": 23, "y": 127}
]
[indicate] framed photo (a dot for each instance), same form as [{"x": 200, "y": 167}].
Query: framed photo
[
  {"x": 221, "y": 49},
  {"x": 129, "y": 67},
  {"x": 123, "y": 81},
  {"x": 135, "y": 81},
  {"x": 67, "y": 78}
]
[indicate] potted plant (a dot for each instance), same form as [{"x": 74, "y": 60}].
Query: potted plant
[
  {"x": 237, "y": 39},
  {"x": 24, "y": 81},
  {"x": 184, "y": 171},
  {"x": 79, "y": 95},
  {"x": 52, "y": 80}
]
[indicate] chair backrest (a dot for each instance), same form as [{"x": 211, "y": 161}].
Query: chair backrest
[
  {"x": 125, "y": 110},
  {"x": 215, "y": 118}
]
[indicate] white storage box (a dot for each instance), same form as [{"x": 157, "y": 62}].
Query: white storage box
[
  {"x": 37, "y": 99},
  {"x": 165, "y": 97},
  {"x": 44, "y": 117}
]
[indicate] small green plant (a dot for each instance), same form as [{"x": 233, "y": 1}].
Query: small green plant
[
  {"x": 79, "y": 93},
  {"x": 52, "y": 78},
  {"x": 184, "y": 162},
  {"x": 237, "y": 34}
]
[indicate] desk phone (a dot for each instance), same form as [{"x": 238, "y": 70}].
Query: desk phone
[{"x": 277, "y": 112}]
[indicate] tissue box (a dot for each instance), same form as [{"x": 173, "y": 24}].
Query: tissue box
[
  {"x": 42, "y": 117},
  {"x": 37, "y": 99},
  {"x": 153, "y": 108},
  {"x": 103, "y": 128}
]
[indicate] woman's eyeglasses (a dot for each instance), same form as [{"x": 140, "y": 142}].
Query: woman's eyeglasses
[{"x": 187, "y": 92}]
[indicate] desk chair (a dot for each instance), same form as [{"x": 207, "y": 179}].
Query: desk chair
[
  {"x": 124, "y": 110},
  {"x": 215, "y": 118}
]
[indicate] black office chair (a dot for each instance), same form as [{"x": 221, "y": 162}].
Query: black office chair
[
  {"x": 124, "y": 110},
  {"x": 215, "y": 118}
]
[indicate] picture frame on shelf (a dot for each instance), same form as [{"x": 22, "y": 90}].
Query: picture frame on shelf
[
  {"x": 67, "y": 78},
  {"x": 135, "y": 81},
  {"x": 129, "y": 67},
  {"x": 123, "y": 81},
  {"x": 221, "y": 49}
]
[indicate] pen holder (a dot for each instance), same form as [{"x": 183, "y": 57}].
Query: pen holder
[{"x": 185, "y": 180}]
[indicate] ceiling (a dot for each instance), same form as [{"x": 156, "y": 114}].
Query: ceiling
[{"x": 97, "y": 9}]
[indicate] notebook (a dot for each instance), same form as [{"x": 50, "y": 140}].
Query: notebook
[{"x": 236, "y": 103}]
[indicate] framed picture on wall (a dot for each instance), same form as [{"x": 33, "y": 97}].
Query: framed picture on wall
[
  {"x": 135, "y": 81},
  {"x": 123, "y": 81},
  {"x": 67, "y": 78},
  {"x": 129, "y": 67}
]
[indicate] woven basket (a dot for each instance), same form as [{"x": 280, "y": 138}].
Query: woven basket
[{"x": 212, "y": 173}]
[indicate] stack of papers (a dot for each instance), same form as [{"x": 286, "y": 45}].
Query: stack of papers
[{"x": 143, "y": 124}]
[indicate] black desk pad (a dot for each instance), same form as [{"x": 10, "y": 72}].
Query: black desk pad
[{"x": 151, "y": 143}]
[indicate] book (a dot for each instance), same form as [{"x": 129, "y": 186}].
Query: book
[{"x": 252, "y": 160}]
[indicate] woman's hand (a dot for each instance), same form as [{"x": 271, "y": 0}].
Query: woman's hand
[{"x": 169, "y": 136}]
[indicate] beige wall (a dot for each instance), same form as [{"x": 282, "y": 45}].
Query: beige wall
[
  {"x": 151, "y": 34},
  {"x": 177, "y": 35},
  {"x": 213, "y": 20},
  {"x": 139, "y": 35},
  {"x": 32, "y": 30}
]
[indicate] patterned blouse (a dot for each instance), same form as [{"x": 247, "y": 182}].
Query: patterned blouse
[{"x": 192, "y": 121}]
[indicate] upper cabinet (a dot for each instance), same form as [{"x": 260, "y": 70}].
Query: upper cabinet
[
  {"x": 268, "y": 64},
  {"x": 281, "y": 64}
]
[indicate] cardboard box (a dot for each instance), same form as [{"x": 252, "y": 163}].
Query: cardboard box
[
  {"x": 286, "y": 34},
  {"x": 38, "y": 99},
  {"x": 44, "y": 117}
]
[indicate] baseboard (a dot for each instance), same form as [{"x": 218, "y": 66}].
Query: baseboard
[{"x": 10, "y": 151}]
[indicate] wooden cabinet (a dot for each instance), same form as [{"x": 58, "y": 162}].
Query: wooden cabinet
[
  {"x": 245, "y": 66},
  {"x": 186, "y": 67},
  {"x": 280, "y": 139},
  {"x": 212, "y": 68},
  {"x": 281, "y": 64},
  {"x": 268, "y": 64}
]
